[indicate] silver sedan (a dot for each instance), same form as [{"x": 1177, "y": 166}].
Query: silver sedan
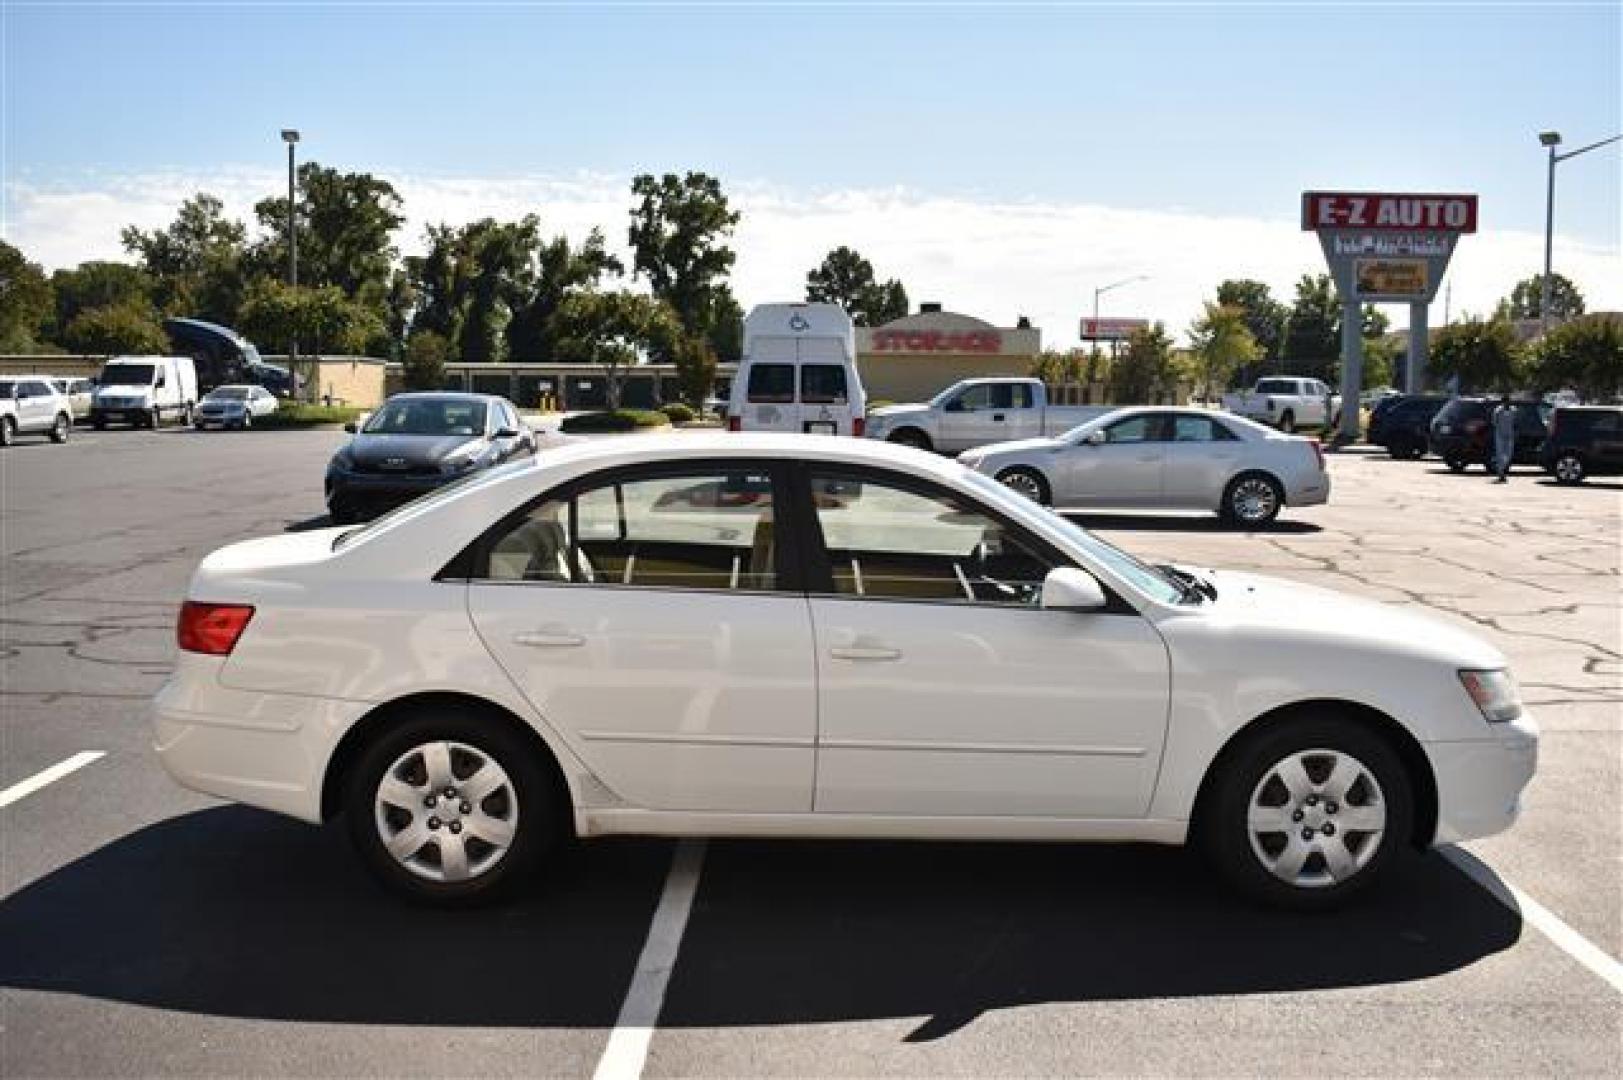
[{"x": 1163, "y": 459}]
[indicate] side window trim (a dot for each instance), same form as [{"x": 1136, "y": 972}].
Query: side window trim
[{"x": 472, "y": 564}]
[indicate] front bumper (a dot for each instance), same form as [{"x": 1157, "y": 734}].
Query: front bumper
[
  {"x": 377, "y": 492},
  {"x": 1480, "y": 782},
  {"x": 264, "y": 750}
]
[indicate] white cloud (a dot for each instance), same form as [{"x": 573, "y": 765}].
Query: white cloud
[{"x": 996, "y": 259}]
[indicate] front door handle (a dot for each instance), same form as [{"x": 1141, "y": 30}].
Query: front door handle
[
  {"x": 865, "y": 649},
  {"x": 548, "y": 639},
  {"x": 997, "y": 416}
]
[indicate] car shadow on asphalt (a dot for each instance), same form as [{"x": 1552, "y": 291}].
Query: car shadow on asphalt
[
  {"x": 1205, "y": 523},
  {"x": 233, "y": 912}
]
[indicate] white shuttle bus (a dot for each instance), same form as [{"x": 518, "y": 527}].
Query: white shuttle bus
[{"x": 798, "y": 373}]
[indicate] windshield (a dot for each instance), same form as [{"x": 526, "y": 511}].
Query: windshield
[
  {"x": 946, "y": 395},
  {"x": 127, "y": 375},
  {"x": 428, "y": 416},
  {"x": 7, "y": 388},
  {"x": 228, "y": 393},
  {"x": 1141, "y": 576}
]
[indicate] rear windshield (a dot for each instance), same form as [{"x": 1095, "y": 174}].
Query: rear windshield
[
  {"x": 772, "y": 384},
  {"x": 127, "y": 375},
  {"x": 229, "y": 393},
  {"x": 823, "y": 384},
  {"x": 1276, "y": 386}
]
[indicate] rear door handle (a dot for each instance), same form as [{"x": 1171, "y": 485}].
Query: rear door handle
[{"x": 548, "y": 639}]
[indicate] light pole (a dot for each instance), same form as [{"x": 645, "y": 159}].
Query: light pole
[
  {"x": 1550, "y": 140},
  {"x": 291, "y": 137}
]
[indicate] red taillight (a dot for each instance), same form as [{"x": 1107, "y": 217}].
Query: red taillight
[
  {"x": 735, "y": 423},
  {"x": 859, "y": 425},
  {"x": 211, "y": 629}
]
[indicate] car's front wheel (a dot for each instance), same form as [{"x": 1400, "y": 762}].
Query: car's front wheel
[
  {"x": 1027, "y": 482},
  {"x": 1456, "y": 463},
  {"x": 61, "y": 428},
  {"x": 1287, "y": 422},
  {"x": 913, "y": 437},
  {"x": 8, "y": 431},
  {"x": 1309, "y": 813},
  {"x": 450, "y": 807},
  {"x": 1569, "y": 469}
]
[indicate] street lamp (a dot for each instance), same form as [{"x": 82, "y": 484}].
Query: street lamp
[
  {"x": 1101, "y": 290},
  {"x": 291, "y": 137},
  {"x": 1550, "y": 140}
]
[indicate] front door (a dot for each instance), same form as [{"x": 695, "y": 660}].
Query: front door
[
  {"x": 945, "y": 690},
  {"x": 1123, "y": 470},
  {"x": 648, "y": 616}
]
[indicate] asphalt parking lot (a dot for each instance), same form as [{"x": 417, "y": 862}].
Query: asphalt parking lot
[{"x": 146, "y": 930}]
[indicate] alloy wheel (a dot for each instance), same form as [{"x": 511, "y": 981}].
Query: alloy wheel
[
  {"x": 1024, "y": 483},
  {"x": 1254, "y": 500},
  {"x": 1317, "y": 818},
  {"x": 1569, "y": 469},
  {"x": 446, "y": 811}
]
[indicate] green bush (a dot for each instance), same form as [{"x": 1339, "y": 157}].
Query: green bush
[
  {"x": 618, "y": 420},
  {"x": 295, "y": 415},
  {"x": 678, "y": 413}
]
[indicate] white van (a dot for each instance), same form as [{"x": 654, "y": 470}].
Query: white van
[
  {"x": 144, "y": 391},
  {"x": 799, "y": 372}
]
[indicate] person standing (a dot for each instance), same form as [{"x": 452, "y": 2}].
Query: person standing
[{"x": 1504, "y": 438}]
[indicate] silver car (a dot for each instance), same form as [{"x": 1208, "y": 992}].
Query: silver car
[{"x": 1163, "y": 459}]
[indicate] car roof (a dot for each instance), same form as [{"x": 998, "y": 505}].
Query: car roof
[
  {"x": 640, "y": 449},
  {"x": 1589, "y": 408},
  {"x": 441, "y": 395}
]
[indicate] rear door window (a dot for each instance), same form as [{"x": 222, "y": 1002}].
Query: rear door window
[
  {"x": 823, "y": 384},
  {"x": 1276, "y": 386},
  {"x": 771, "y": 384}
]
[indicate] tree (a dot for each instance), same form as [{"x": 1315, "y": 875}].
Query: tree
[
  {"x": 1264, "y": 317},
  {"x": 423, "y": 367},
  {"x": 615, "y": 330},
  {"x": 25, "y": 301},
  {"x": 98, "y": 285},
  {"x": 679, "y": 232},
  {"x": 1222, "y": 343},
  {"x": 847, "y": 279},
  {"x": 1312, "y": 342},
  {"x": 500, "y": 270},
  {"x": 1145, "y": 372},
  {"x": 1585, "y": 355},
  {"x": 561, "y": 269},
  {"x": 1526, "y": 299},
  {"x": 1057, "y": 368},
  {"x": 320, "y": 319},
  {"x": 1483, "y": 356},
  {"x": 196, "y": 263},
  {"x": 126, "y": 328}
]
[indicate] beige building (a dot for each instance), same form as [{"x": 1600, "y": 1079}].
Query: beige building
[{"x": 911, "y": 358}]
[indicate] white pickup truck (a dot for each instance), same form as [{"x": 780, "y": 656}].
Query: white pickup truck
[
  {"x": 978, "y": 412},
  {"x": 1286, "y": 403}
]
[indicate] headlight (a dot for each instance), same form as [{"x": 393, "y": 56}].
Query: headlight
[{"x": 1494, "y": 693}]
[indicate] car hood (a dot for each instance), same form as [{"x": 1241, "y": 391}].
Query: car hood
[
  {"x": 894, "y": 412},
  {"x": 366, "y": 449},
  {"x": 1307, "y": 612},
  {"x": 1015, "y": 446}
]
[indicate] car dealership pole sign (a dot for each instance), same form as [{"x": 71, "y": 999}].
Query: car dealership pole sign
[{"x": 1384, "y": 247}]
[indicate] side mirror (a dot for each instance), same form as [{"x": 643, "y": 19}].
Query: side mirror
[
  {"x": 1069, "y": 589},
  {"x": 1097, "y": 437},
  {"x": 350, "y": 427},
  {"x": 505, "y": 433}
]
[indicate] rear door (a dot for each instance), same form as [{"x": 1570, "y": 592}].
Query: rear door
[
  {"x": 825, "y": 396},
  {"x": 654, "y": 617},
  {"x": 1606, "y": 440},
  {"x": 1201, "y": 456}
]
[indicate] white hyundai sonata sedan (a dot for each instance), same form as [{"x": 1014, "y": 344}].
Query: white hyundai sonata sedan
[{"x": 793, "y": 636}]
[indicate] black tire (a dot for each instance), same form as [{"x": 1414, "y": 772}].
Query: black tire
[
  {"x": 339, "y": 513},
  {"x": 247, "y": 421},
  {"x": 1456, "y": 463},
  {"x": 1223, "y": 830},
  {"x": 8, "y": 431},
  {"x": 528, "y": 797},
  {"x": 99, "y": 423},
  {"x": 1287, "y": 422},
  {"x": 153, "y": 418},
  {"x": 61, "y": 428},
  {"x": 1028, "y": 482},
  {"x": 913, "y": 437},
  {"x": 1244, "y": 505},
  {"x": 1569, "y": 469}
]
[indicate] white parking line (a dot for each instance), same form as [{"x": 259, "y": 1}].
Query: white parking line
[
  {"x": 56, "y": 772},
  {"x": 627, "y": 1049},
  {"x": 1565, "y": 937}
]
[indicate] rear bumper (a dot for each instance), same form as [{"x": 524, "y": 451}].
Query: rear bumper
[
  {"x": 1310, "y": 493},
  {"x": 1480, "y": 783},
  {"x": 264, "y": 750}
]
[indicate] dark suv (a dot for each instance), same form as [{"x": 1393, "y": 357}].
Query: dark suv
[
  {"x": 1584, "y": 441},
  {"x": 1402, "y": 423},
  {"x": 1462, "y": 432}
]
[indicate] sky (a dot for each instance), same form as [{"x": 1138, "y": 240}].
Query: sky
[{"x": 1002, "y": 159}]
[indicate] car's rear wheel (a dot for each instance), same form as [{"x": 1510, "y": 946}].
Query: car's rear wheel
[
  {"x": 1308, "y": 813},
  {"x": 154, "y": 418},
  {"x": 247, "y": 421},
  {"x": 1028, "y": 482},
  {"x": 1569, "y": 469},
  {"x": 1456, "y": 463},
  {"x": 450, "y": 807},
  {"x": 1252, "y": 499},
  {"x": 60, "y": 429},
  {"x": 8, "y": 431},
  {"x": 913, "y": 437}
]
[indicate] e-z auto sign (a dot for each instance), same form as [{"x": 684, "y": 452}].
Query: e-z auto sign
[{"x": 1360, "y": 211}]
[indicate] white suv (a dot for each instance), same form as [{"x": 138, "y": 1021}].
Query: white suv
[{"x": 33, "y": 404}]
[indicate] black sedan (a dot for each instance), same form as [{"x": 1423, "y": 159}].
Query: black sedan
[{"x": 417, "y": 442}]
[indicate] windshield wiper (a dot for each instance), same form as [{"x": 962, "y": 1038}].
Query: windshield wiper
[{"x": 1193, "y": 588}]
